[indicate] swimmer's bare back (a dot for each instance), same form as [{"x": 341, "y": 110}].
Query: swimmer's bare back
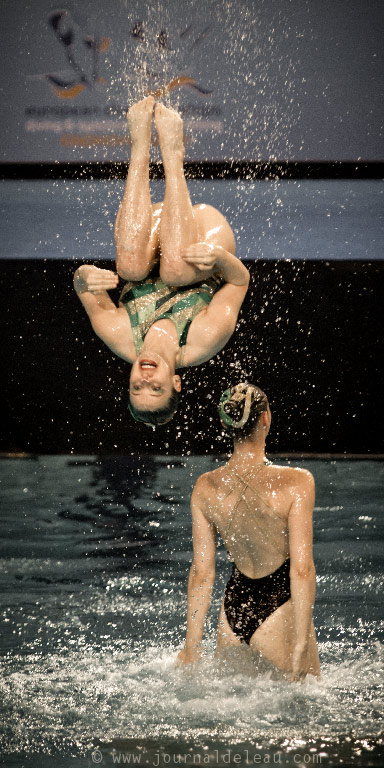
[{"x": 264, "y": 516}]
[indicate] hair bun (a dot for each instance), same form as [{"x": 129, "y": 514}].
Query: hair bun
[{"x": 238, "y": 403}]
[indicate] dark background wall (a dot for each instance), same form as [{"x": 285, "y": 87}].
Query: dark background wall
[{"x": 309, "y": 334}]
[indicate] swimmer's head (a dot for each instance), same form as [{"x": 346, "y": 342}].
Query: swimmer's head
[
  {"x": 153, "y": 390},
  {"x": 241, "y": 408}
]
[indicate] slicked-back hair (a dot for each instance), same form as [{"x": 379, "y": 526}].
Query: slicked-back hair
[
  {"x": 158, "y": 416},
  {"x": 234, "y": 408}
]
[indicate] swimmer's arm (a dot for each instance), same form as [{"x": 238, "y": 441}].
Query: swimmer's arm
[
  {"x": 302, "y": 570},
  {"x": 91, "y": 285},
  {"x": 225, "y": 306},
  {"x": 111, "y": 325},
  {"x": 222, "y": 312},
  {"x": 214, "y": 326},
  {"x": 216, "y": 259},
  {"x": 201, "y": 580}
]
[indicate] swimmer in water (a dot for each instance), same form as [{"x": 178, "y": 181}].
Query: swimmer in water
[
  {"x": 184, "y": 286},
  {"x": 263, "y": 513}
]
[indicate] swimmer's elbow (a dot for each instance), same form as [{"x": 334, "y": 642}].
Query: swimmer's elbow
[
  {"x": 303, "y": 570},
  {"x": 203, "y": 572}
]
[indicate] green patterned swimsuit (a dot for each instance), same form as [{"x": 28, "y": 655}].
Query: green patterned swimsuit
[{"x": 151, "y": 300}]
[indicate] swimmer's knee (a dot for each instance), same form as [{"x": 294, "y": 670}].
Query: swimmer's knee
[
  {"x": 131, "y": 275},
  {"x": 172, "y": 273},
  {"x": 131, "y": 270}
]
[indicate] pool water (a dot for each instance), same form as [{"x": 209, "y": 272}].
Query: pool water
[{"x": 95, "y": 555}]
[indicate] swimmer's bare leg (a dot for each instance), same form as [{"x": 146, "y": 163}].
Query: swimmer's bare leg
[
  {"x": 225, "y": 638},
  {"x": 134, "y": 250},
  {"x": 178, "y": 227},
  {"x": 274, "y": 640}
]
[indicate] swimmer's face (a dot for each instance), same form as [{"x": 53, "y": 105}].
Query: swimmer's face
[{"x": 151, "y": 383}]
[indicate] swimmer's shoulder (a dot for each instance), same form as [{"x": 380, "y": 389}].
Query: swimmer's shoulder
[
  {"x": 294, "y": 479},
  {"x": 207, "y": 487},
  {"x": 114, "y": 328}
]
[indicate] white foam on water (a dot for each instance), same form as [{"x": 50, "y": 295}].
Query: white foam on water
[{"x": 69, "y": 699}]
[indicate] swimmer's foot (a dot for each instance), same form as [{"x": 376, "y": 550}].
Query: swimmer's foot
[
  {"x": 139, "y": 118},
  {"x": 169, "y": 126}
]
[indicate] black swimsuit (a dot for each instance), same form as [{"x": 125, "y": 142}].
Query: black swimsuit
[{"x": 248, "y": 602}]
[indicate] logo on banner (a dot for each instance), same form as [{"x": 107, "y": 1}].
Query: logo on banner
[
  {"x": 189, "y": 40},
  {"x": 82, "y": 52},
  {"x": 90, "y": 123}
]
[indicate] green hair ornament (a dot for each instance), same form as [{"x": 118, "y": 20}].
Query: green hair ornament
[
  {"x": 241, "y": 392},
  {"x": 225, "y": 398}
]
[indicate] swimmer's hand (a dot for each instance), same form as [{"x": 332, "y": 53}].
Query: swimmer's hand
[
  {"x": 202, "y": 256},
  {"x": 188, "y": 656},
  {"x": 300, "y": 664},
  {"x": 214, "y": 259},
  {"x": 94, "y": 280}
]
